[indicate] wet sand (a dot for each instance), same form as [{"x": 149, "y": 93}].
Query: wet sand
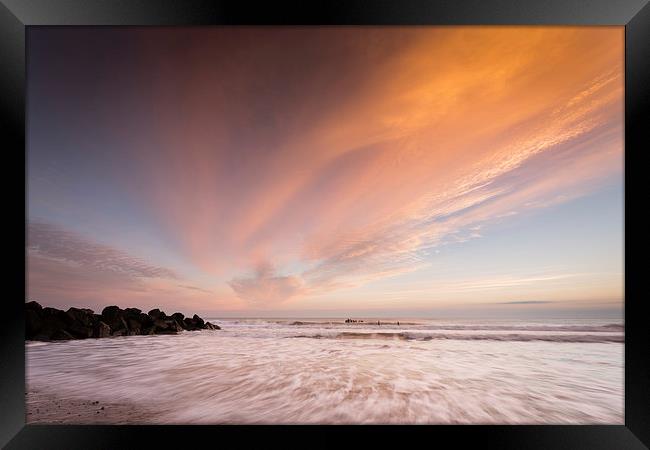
[{"x": 42, "y": 408}]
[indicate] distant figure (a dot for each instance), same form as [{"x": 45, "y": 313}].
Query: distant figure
[
  {"x": 398, "y": 323},
  {"x": 378, "y": 323}
]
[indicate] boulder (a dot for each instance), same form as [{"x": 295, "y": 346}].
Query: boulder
[
  {"x": 145, "y": 320},
  {"x": 134, "y": 326},
  {"x": 130, "y": 312},
  {"x": 194, "y": 324},
  {"x": 61, "y": 335},
  {"x": 166, "y": 326},
  {"x": 52, "y": 323},
  {"x": 80, "y": 323},
  {"x": 199, "y": 322},
  {"x": 157, "y": 314},
  {"x": 101, "y": 330},
  {"x": 83, "y": 322},
  {"x": 179, "y": 318},
  {"x": 33, "y": 323},
  {"x": 33, "y": 306},
  {"x": 190, "y": 324},
  {"x": 176, "y": 326},
  {"x": 82, "y": 315},
  {"x": 80, "y": 331},
  {"x": 113, "y": 316},
  {"x": 112, "y": 312},
  {"x": 133, "y": 319}
]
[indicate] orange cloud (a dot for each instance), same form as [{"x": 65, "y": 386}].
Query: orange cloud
[{"x": 340, "y": 154}]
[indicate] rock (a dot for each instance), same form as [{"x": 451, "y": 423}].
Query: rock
[
  {"x": 164, "y": 331},
  {"x": 190, "y": 324},
  {"x": 83, "y": 322},
  {"x": 112, "y": 312},
  {"x": 85, "y": 316},
  {"x": 179, "y": 318},
  {"x": 51, "y": 322},
  {"x": 120, "y": 325},
  {"x": 134, "y": 326},
  {"x": 211, "y": 326},
  {"x": 113, "y": 316},
  {"x": 199, "y": 322},
  {"x": 33, "y": 306},
  {"x": 131, "y": 312},
  {"x": 145, "y": 319},
  {"x": 56, "y": 314},
  {"x": 157, "y": 314},
  {"x": 33, "y": 323},
  {"x": 135, "y": 321},
  {"x": 80, "y": 323},
  {"x": 166, "y": 326},
  {"x": 177, "y": 326},
  {"x": 172, "y": 325},
  {"x": 80, "y": 331},
  {"x": 193, "y": 324},
  {"x": 61, "y": 335},
  {"x": 101, "y": 330}
]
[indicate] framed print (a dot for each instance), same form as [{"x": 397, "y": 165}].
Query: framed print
[{"x": 342, "y": 222}]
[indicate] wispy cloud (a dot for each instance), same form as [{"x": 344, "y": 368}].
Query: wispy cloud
[
  {"x": 67, "y": 269},
  {"x": 265, "y": 287},
  {"x": 545, "y": 157},
  {"x": 51, "y": 241},
  {"x": 195, "y": 288},
  {"x": 525, "y": 302},
  {"x": 303, "y": 182}
]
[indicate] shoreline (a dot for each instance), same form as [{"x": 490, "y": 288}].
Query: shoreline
[
  {"x": 255, "y": 374},
  {"x": 49, "y": 409}
]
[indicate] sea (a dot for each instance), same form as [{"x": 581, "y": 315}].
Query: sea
[{"x": 329, "y": 371}]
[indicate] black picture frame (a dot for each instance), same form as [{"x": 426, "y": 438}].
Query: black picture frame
[{"x": 16, "y": 15}]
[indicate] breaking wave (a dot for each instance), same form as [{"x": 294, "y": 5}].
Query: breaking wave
[
  {"x": 584, "y": 338},
  {"x": 330, "y": 372}
]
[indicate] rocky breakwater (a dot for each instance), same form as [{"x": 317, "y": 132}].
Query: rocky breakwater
[{"x": 46, "y": 324}]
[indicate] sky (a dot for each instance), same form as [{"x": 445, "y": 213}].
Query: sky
[{"x": 270, "y": 171}]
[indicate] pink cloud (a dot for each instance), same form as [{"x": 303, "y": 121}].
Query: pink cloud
[
  {"x": 265, "y": 287},
  {"x": 346, "y": 171}
]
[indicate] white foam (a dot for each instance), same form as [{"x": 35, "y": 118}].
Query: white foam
[{"x": 263, "y": 372}]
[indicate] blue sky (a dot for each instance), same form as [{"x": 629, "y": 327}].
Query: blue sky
[{"x": 460, "y": 169}]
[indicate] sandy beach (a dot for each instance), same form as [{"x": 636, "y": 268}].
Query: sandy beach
[
  {"x": 46, "y": 408},
  {"x": 329, "y": 372}
]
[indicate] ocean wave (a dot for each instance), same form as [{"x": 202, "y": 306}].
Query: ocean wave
[
  {"x": 609, "y": 328},
  {"x": 255, "y": 375},
  {"x": 584, "y": 338},
  {"x": 605, "y": 328}
]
